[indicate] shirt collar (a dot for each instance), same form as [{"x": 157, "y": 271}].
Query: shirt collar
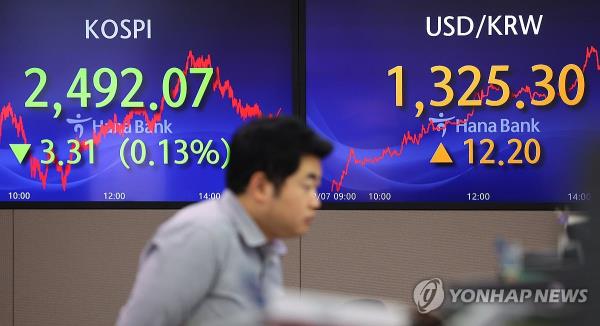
[
  {"x": 248, "y": 229},
  {"x": 278, "y": 247},
  {"x": 243, "y": 223}
]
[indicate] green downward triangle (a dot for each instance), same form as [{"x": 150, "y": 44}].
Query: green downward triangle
[{"x": 20, "y": 151}]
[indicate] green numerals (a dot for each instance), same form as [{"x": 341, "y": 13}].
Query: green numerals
[
  {"x": 31, "y": 102},
  {"x": 48, "y": 151},
  {"x": 127, "y": 103},
  {"x": 182, "y": 87},
  {"x": 182, "y": 151},
  {"x": 74, "y": 151},
  {"x": 106, "y": 83},
  {"x": 208, "y": 72},
  {"x": 80, "y": 81},
  {"x": 167, "y": 89},
  {"x": 110, "y": 90}
]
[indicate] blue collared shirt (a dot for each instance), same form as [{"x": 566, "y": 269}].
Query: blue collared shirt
[{"x": 208, "y": 263}]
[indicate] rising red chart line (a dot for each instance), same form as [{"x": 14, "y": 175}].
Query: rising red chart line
[
  {"x": 415, "y": 138},
  {"x": 114, "y": 126}
]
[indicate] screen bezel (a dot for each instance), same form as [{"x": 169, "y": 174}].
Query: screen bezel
[
  {"x": 108, "y": 204},
  {"x": 426, "y": 206}
]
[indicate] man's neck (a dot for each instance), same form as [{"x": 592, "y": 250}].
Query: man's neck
[{"x": 253, "y": 211}]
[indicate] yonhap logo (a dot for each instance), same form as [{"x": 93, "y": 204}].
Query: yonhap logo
[{"x": 429, "y": 295}]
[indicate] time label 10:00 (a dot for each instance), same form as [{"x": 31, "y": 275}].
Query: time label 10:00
[
  {"x": 105, "y": 81},
  {"x": 352, "y": 196},
  {"x": 467, "y": 99}
]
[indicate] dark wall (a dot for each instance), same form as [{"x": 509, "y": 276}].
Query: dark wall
[
  {"x": 6, "y": 267},
  {"x": 76, "y": 267}
]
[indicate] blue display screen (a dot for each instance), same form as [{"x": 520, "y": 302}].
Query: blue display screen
[
  {"x": 440, "y": 103},
  {"x": 135, "y": 101}
]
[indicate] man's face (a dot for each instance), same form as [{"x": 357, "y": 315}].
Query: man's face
[{"x": 293, "y": 208}]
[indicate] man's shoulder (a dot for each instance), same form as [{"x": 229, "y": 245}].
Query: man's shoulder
[{"x": 206, "y": 218}]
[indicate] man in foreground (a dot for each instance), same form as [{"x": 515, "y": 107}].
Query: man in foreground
[{"x": 216, "y": 259}]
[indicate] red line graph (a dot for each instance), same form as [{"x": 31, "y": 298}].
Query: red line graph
[
  {"x": 114, "y": 126},
  {"x": 415, "y": 138}
]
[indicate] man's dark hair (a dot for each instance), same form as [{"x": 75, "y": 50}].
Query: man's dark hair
[{"x": 273, "y": 146}]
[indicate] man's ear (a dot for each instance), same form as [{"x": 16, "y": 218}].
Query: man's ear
[{"x": 259, "y": 187}]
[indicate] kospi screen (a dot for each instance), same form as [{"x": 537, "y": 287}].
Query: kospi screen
[
  {"x": 134, "y": 101},
  {"x": 435, "y": 104}
]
